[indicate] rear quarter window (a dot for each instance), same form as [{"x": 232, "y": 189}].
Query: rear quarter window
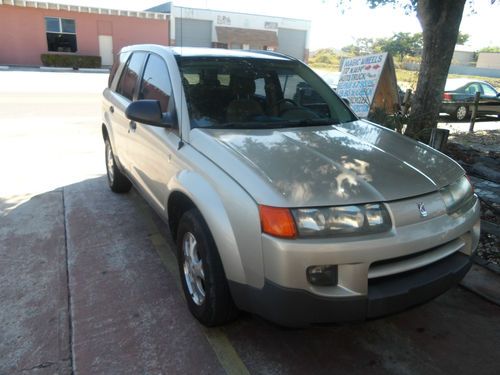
[
  {"x": 130, "y": 76},
  {"x": 120, "y": 61}
]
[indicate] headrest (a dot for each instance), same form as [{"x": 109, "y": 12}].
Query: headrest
[
  {"x": 209, "y": 78},
  {"x": 242, "y": 85}
]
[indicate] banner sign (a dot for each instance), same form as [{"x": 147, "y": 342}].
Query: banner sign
[{"x": 359, "y": 80}]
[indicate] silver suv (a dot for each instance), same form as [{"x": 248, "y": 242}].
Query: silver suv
[{"x": 281, "y": 201}]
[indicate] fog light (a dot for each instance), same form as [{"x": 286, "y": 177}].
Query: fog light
[{"x": 322, "y": 275}]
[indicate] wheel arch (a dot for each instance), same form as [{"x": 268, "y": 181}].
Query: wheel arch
[
  {"x": 221, "y": 202},
  {"x": 189, "y": 190}
]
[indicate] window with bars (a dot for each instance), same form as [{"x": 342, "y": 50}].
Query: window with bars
[{"x": 61, "y": 34}]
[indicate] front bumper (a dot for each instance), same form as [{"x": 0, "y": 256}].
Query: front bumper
[
  {"x": 377, "y": 275},
  {"x": 295, "y": 307}
]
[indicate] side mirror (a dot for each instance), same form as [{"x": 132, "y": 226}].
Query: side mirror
[
  {"x": 346, "y": 101},
  {"x": 149, "y": 112}
]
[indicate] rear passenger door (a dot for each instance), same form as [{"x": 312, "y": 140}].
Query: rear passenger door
[
  {"x": 152, "y": 149},
  {"x": 490, "y": 102},
  {"x": 126, "y": 91}
]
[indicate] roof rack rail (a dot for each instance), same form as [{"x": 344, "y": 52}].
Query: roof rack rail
[{"x": 272, "y": 53}]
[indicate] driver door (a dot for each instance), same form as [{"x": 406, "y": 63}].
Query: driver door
[{"x": 153, "y": 149}]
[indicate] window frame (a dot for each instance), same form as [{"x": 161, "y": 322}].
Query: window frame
[
  {"x": 483, "y": 85},
  {"x": 145, "y": 64},
  {"x": 60, "y": 19},
  {"x": 140, "y": 73}
]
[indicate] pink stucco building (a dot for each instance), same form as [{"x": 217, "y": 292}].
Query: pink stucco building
[{"x": 29, "y": 29}]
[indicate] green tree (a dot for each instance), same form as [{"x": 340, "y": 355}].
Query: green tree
[
  {"x": 494, "y": 49},
  {"x": 361, "y": 46},
  {"x": 400, "y": 45},
  {"x": 351, "y": 49},
  {"x": 462, "y": 38}
]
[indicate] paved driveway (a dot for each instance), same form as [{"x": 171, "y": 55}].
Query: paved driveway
[{"x": 88, "y": 281}]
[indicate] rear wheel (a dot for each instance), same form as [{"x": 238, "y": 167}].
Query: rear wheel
[
  {"x": 202, "y": 275},
  {"x": 117, "y": 181},
  {"x": 461, "y": 112}
]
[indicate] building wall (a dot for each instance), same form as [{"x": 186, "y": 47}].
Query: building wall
[
  {"x": 239, "y": 20},
  {"x": 243, "y": 20},
  {"x": 488, "y": 60},
  {"x": 463, "y": 58},
  {"x": 23, "y": 37}
]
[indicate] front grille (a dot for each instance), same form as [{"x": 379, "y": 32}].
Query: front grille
[{"x": 405, "y": 263}]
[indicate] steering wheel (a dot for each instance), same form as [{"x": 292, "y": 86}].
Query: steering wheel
[{"x": 284, "y": 100}]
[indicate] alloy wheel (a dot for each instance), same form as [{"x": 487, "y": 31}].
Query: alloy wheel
[{"x": 193, "y": 269}]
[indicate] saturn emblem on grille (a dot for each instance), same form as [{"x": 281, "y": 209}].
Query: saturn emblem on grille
[{"x": 421, "y": 209}]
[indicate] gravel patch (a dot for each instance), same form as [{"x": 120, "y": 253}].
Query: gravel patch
[{"x": 488, "y": 248}]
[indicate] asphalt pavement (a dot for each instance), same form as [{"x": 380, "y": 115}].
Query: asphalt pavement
[{"x": 89, "y": 284}]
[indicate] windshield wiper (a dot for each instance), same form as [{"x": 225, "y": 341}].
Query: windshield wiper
[
  {"x": 240, "y": 125},
  {"x": 275, "y": 124},
  {"x": 303, "y": 123}
]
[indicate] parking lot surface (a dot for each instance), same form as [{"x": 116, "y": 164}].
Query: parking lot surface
[{"x": 89, "y": 283}]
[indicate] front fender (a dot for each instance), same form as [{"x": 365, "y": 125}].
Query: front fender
[{"x": 233, "y": 219}]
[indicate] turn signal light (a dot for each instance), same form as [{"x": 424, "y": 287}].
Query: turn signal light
[{"x": 277, "y": 222}]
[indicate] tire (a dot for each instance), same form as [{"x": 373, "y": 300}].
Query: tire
[
  {"x": 461, "y": 113},
  {"x": 202, "y": 276},
  {"x": 117, "y": 181}
]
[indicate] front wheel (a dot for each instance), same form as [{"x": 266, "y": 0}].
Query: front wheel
[
  {"x": 117, "y": 181},
  {"x": 461, "y": 112},
  {"x": 202, "y": 275}
]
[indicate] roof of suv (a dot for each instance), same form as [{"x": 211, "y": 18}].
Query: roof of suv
[
  {"x": 219, "y": 52},
  {"x": 213, "y": 52}
]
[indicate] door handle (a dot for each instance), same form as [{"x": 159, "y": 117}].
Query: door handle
[
  {"x": 132, "y": 125},
  {"x": 112, "y": 109}
]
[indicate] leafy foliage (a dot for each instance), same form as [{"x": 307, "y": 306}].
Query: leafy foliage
[
  {"x": 325, "y": 56},
  {"x": 493, "y": 49},
  {"x": 462, "y": 38},
  {"x": 401, "y": 44}
]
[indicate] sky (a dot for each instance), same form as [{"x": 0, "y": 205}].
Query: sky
[{"x": 330, "y": 26}]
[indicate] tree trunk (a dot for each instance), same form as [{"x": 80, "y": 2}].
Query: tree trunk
[{"x": 440, "y": 21}]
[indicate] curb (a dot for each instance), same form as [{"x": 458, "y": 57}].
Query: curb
[
  {"x": 491, "y": 266},
  {"x": 490, "y": 228},
  {"x": 483, "y": 282},
  {"x": 54, "y": 69},
  {"x": 93, "y": 70}
]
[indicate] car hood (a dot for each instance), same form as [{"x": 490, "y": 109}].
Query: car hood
[{"x": 357, "y": 162}]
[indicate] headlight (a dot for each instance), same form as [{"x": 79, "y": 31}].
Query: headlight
[
  {"x": 457, "y": 194},
  {"x": 342, "y": 220}
]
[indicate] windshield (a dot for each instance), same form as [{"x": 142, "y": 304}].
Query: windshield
[{"x": 257, "y": 93}]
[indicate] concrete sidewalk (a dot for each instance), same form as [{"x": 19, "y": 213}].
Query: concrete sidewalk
[
  {"x": 128, "y": 314},
  {"x": 34, "y": 318}
]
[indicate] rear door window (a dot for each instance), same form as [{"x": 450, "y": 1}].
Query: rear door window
[
  {"x": 473, "y": 88},
  {"x": 130, "y": 76},
  {"x": 488, "y": 90}
]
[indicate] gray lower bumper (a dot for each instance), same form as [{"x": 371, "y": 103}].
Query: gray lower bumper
[{"x": 387, "y": 295}]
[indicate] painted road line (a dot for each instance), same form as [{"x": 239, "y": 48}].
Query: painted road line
[
  {"x": 225, "y": 351},
  {"x": 218, "y": 340}
]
